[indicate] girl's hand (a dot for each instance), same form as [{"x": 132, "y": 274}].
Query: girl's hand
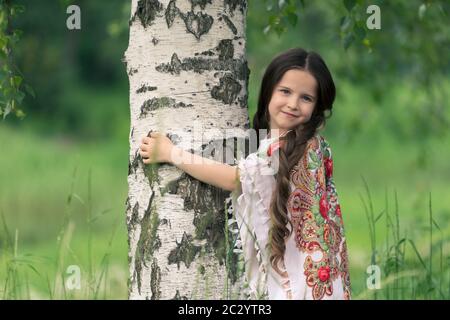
[{"x": 156, "y": 148}]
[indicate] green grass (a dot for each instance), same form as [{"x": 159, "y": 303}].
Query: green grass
[
  {"x": 45, "y": 188},
  {"x": 38, "y": 174},
  {"x": 40, "y": 276}
]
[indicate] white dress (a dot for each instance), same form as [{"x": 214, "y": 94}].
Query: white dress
[{"x": 251, "y": 207}]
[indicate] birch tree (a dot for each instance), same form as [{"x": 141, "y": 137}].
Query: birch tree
[{"x": 187, "y": 73}]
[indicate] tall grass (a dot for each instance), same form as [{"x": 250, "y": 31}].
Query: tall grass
[
  {"x": 407, "y": 271},
  {"x": 16, "y": 265}
]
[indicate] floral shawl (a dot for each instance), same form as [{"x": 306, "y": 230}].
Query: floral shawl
[{"x": 315, "y": 264}]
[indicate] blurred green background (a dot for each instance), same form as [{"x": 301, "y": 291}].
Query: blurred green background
[{"x": 63, "y": 176}]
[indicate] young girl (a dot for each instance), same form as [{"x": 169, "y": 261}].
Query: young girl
[{"x": 290, "y": 222}]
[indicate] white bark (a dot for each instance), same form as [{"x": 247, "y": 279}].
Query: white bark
[{"x": 181, "y": 79}]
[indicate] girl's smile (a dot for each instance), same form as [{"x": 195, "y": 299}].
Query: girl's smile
[{"x": 290, "y": 115}]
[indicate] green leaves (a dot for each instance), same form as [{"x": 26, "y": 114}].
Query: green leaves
[
  {"x": 349, "y": 4},
  {"x": 346, "y": 23},
  {"x": 11, "y": 82},
  {"x": 347, "y": 40},
  {"x": 29, "y": 90},
  {"x": 353, "y": 25},
  {"x": 292, "y": 18},
  {"x": 16, "y": 81},
  {"x": 422, "y": 11},
  {"x": 282, "y": 13}
]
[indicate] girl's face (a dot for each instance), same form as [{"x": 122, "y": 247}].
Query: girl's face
[{"x": 293, "y": 100}]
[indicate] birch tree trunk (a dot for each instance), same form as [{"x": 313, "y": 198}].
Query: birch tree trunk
[{"x": 187, "y": 72}]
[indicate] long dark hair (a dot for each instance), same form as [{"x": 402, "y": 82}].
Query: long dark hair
[{"x": 296, "y": 139}]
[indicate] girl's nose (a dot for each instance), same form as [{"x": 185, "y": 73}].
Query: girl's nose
[{"x": 293, "y": 105}]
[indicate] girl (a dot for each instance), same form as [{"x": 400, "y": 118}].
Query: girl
[{"x": 290, "y": 223}]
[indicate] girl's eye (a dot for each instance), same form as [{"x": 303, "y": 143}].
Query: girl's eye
[
  {"x": 284, "y": 91},
  {"x": 307, "y": 98}
]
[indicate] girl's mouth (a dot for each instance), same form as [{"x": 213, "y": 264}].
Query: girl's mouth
[{"x": 289, "y": 114}]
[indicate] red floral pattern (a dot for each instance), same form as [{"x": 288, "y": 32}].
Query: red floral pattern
[
  {"x": 324, "y": 273},
  {"x": 324, "y": 206},
  {"x": 317, "y": 220}
]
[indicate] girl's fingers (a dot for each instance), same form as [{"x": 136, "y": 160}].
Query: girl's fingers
[
  {"x": 146, "y": 147},
  {"x": 155, "y": 134},
  {"x": 143, "y": 154},
  {"x": 146, "y": 140}
]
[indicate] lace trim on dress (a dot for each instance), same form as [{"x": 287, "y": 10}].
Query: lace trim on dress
[{"x": 257, "y": 181}]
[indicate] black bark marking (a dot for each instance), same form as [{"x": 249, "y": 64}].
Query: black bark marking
[
  {"x": 145, "y": 88},
  {"x": 151, "y": 172},
  {"x": 245, "y": 73},
  {"x": 225, "y": 49},
  {"x": 132, "y": 72},
  {"x": 128, "y": 204},
  {"x": 134, "y": 164},
  {"x": 175, "y": 64},
  {"x": 134, "y": 218},
  {"x": 184, "y": 252},
  {"x": 147, "y": 11},
  {"x": 230, "y": 24},
  {"x": 227, "y": 91},
  {"x": 159, "y": 103},
  {"x": 197, "y": 23},
  {"x": 129, "y": 227},
  {"x": 201, "y": 270},
  {"x": 208, "y": 204},
  {"x": 238, "y": 67},
  {"x": 155, "y": 41},
  {"x": 201, "y": 3},
  {"x": 243, "y": 101},
  {"x": 164, "y": 222},
  {"x": 171, "y": 12},
  {"x": 170, "y": 188},
  {"x": 173, "y": 67},
  {"x": 178, "y": 296},
  {"x": 232, "y": 4},
  {"x": 205, "y": 53},
  {"x": 148, "y": 240},
  {"x": 155, "y": 281}
]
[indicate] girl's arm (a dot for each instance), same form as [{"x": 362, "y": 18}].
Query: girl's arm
[
  {"x": 159, "y": 148},
  {"x": 209, "y": 171}
]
